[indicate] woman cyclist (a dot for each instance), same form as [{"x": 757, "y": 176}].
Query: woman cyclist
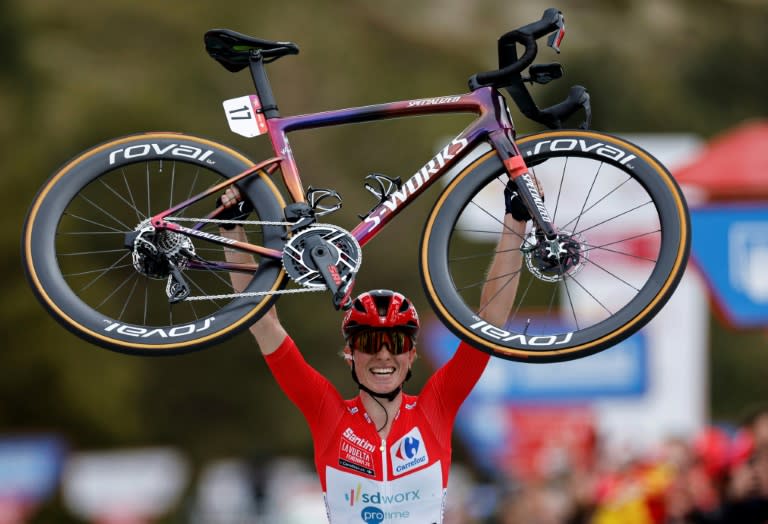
[{"x": 385, "y": 455}]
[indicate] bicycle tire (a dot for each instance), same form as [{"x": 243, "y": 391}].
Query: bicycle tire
[
  {"x": 560, "y": 320},
  {"x": 82, "y": 268}
]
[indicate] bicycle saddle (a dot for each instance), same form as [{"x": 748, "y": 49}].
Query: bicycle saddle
[{"x": 233, "y": 50}]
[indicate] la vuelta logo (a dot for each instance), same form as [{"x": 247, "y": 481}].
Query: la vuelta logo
[{"x": 408, "y": 453}]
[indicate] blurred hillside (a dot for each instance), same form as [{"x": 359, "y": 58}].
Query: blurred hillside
[{"x": 74, "y": 73}]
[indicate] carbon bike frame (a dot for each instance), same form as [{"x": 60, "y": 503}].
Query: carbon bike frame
[{"x": 492, "y": 124}]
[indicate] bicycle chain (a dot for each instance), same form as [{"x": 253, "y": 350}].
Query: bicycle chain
[
  {"x": 252, "y": 293},
  {"x": 236, "y": 222},
  {"x": 255, "y": 294}
]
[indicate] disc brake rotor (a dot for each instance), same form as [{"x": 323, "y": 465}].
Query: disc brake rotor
[{"x": 552, "y": 260}]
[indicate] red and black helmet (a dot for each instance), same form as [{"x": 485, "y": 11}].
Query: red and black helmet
[{"x": 381, "y": 309}]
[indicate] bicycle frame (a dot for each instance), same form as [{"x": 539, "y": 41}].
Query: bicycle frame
[{"x": 493, "y": 124}]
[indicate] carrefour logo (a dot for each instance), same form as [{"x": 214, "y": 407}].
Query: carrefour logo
[
  {"x": 409, "y": 452},
  {"x": 408, "y": 448}
]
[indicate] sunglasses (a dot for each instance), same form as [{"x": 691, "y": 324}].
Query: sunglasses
[{"x": 371, "y": 341}]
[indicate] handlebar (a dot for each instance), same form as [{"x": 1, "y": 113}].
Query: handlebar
[{"x": 510, "y": 66}]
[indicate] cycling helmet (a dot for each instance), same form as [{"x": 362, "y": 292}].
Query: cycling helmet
[{"x": 381, "y": 309}]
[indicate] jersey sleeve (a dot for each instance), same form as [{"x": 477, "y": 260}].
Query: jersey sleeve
[
  {"x": 445, "y": 391},
  {"x": 310, "y": 391}
]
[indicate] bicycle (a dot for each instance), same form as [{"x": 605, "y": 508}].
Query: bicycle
[{"x": 121, "y": 244}]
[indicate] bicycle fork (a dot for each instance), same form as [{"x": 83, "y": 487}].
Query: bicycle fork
[{"x": 524, "y": 183}]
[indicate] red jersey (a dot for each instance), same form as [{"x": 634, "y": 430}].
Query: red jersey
[{"x": 366, "y": 479}]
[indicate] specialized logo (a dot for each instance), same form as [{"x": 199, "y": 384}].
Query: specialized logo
[
  {"x": 483, "y": 327},
  {"x": 176, "y": 331},
  {"x": 141, "y": 150},
  {"x": 536, "y": 197},
  {"x": 204, "y": 234},
  {"x": 421, "y": 177},
  {"x": 356, "y": 453},
  {"x": 434, "y": 101},
  {"x": 408, "y": 453},
  {"x": 573, "y": 144}
]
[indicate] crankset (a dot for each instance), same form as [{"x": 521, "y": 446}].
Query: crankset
[{"x": 324, "y": 256}]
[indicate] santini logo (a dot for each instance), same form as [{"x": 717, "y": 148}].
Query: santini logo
[{"x": 408, "y": 453}]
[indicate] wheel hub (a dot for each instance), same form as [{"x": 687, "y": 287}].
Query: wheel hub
[
  {"x": 156, "y": 253},
  {"x": 552, "y": 260}
]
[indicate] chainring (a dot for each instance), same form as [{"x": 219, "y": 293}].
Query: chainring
[{"x": 344, "y": 248}]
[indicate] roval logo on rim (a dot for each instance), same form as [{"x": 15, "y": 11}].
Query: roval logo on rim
[
  {"x": 503, "y": 335},
  {"x": 573, "y": 144},
  {"x": 142, "y": 332},
  {"x": 141, "y": 150}
]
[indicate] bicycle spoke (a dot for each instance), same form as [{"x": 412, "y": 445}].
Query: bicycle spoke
[
  {"x": 132, "y": 203},
  {"x": 100, "y": 270},
  {"x": 128, "y": 300},
  {"x": 173, "y": 181},
  {"x": 503, "y": 227},
  {"x": 93, "y": 252},
  {"x": 586, "y": 199},
  {"x": 493, "y": 297},
  {"x": 480, "y": 283},
  {"x": 118, "y": 288},
  {"x": 619, "y": 186},
  {"x": 614, "y": 275},
  {"x": 570, "y": 299},
  {"x": 122, "y": 198},
  {"x": 481, "y": 255},
  {"x": 593, "y": 296},
  {"x": 628, "y": 211},
  {"x": 105, "y": 226}
]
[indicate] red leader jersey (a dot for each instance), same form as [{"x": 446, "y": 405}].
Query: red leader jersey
[{"x": 366, "y": 479}]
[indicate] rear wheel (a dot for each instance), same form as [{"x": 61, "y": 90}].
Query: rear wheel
[
  {"x": 80, "y": 248},
  {"x": 624, "y": 239}
]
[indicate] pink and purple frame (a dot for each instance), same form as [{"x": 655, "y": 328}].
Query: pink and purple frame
[{"x": 493, "y": 124}]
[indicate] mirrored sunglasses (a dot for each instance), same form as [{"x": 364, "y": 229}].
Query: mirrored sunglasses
[{"x": 371, "y": 341}]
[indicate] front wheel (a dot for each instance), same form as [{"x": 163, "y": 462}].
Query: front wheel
[
  {"x": 86, "y": 264},
  {"x": 624, "y": 240}
]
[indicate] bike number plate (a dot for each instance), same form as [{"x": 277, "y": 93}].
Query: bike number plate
[{"x": 245, "y": 117}]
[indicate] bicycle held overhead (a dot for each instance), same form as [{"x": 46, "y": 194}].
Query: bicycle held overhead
[{"x": 122, "y": 248}]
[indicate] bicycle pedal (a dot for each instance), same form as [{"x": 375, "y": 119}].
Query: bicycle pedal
[
  {"x": 382, "y": 187},
  {"x": 323, "y": 201}
]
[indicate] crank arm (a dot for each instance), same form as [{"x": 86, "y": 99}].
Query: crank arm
[{"x": 321, "y": 254}]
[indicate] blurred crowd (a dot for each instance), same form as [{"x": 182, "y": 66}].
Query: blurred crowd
[{"x": 719, "y": 476}]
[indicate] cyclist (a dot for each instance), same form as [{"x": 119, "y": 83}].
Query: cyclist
[{"x": 384, "y": 455}]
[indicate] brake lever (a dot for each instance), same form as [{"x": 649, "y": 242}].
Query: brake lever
[{"x": 556, "y": 37}]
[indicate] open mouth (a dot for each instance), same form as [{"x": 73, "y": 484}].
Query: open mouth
[{"x": 382, "y": 372}]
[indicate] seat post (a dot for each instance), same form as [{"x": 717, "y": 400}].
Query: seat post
[{"x": 261, "y": 82}]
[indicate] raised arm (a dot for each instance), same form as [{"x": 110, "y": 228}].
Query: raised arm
[
  {"x": 268, "y": 331},
  {"x": 498, "y": 293}
]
